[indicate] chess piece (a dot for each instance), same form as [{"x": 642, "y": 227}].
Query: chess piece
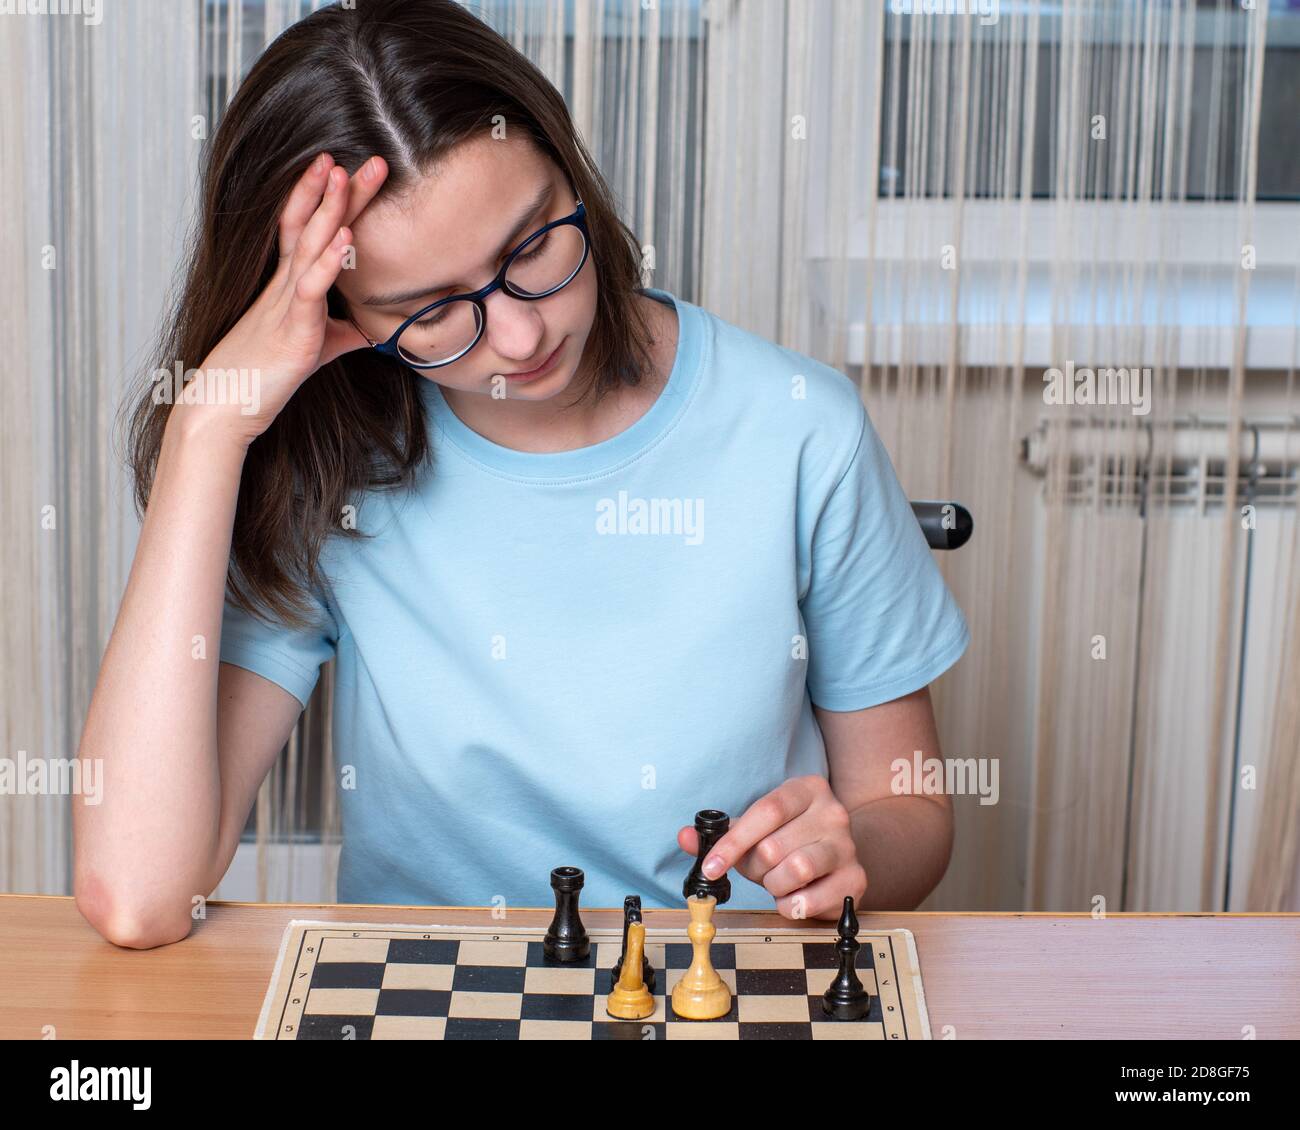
[
  {"x": 632, "y": 913},
  {"x": 701, "y": 994},
  {"x": 847, "y": 999},
  {"x": 631, "y": 999},
  {"x": 566, "y": 940},
  {"x": 710, "y": 826}
]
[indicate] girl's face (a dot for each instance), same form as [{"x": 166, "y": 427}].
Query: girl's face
[{"x": 450, "y": 235}]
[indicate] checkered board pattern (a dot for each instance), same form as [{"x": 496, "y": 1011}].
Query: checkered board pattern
[{"x": 338, "y": 981}]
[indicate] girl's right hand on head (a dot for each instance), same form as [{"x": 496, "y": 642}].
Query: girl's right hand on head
[{"x": 287, "y": 334}]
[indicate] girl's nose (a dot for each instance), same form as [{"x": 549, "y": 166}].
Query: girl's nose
[{"x": 515, "y": 329}]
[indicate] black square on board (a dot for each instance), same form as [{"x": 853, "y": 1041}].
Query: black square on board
[
  {"x": 413, "y": 1002},
  {"x": 771, "y": 982},
  {"x": 628, "y": 1030},
  {"x": 347, "y": 975},
  {"x": 423, "y": 951},
  {"x": 821, "y": 955},
  {"x": 474, "y": 1028},
  {"x": 775, "y": 1032},
  {"x": 488, "y": 979},
  {"x": 557, "y": 1006},
  {"x": 318, "y": 1027}
]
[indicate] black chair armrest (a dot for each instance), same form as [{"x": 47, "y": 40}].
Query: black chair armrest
[{"x": 946, "y": 525}]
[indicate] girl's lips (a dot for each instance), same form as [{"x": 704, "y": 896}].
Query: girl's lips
[{"x": 541, "y": 369}]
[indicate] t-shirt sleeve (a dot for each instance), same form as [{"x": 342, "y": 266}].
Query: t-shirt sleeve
[
  {"x": 880, "y": 621},
  {"x": 289, "y": 657}
]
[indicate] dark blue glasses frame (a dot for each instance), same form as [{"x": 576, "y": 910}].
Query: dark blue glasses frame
[{"x": 578, "y": 219}]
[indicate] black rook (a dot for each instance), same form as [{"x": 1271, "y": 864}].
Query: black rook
[
  {"x": 566, "y": 940},
  {"x": 710, "y": 825}
]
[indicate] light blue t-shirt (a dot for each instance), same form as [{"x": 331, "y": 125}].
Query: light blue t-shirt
[{"x": 550, "y": 659}]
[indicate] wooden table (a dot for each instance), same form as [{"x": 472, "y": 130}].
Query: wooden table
[{"x": 985, "y": 975}]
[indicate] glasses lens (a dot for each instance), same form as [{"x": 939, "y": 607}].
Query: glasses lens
[
  {"x": 547, "y": 262},
  {"x": 441, "y": 335}
]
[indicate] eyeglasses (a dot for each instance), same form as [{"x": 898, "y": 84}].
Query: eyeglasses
[{"x": 444, "y": 331}]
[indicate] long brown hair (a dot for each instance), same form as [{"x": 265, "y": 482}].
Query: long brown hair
[{"x": 408, "y": 80}]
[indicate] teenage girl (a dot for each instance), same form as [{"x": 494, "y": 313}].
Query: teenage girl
[{"x": 588, "y": 558}]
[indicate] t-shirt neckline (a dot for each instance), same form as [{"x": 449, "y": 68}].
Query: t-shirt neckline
[{"x": 583, "y": 462}]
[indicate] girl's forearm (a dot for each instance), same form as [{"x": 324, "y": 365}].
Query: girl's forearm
[{"x": 903, "y": 843}]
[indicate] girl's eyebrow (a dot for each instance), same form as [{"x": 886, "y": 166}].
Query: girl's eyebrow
[{"x": 530, "y": 210}]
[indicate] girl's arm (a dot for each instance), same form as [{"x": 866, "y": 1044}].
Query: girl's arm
[
  {"x": 812, "y": 841},
  {"x": 181, "y": 746},
  {"x": 904, "y": 841},
  {"x": 182, "y": 740}
]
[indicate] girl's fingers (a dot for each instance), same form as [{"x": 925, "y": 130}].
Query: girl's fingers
[
  {"x": 302, "y": 203},
  {"x": 323, "y": 225},
  {"x": 313, "y": 284},
  {"x": 365, "y": 182},
  {"x": 804, "y": 865},
  {"x": 825, "y": 897},
  {"x": 768, "y": 854},
  {"x": 783, "y": 804},
  {"x": 688, "y": 839}
]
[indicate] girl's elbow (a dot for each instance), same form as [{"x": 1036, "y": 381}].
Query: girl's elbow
[{"x": 127, "y": 920}]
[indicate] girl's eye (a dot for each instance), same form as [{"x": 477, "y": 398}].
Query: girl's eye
[
  {"x": 537, "y": 249},
  {"x": 433, "y": 319}
]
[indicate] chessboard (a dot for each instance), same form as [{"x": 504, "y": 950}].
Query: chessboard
[{"x": 344, "y": 980}]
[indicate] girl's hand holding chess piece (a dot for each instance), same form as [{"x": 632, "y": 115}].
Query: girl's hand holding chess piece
[{"x": 796, "y": 842}]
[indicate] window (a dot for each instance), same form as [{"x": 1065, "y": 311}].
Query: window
[{"x": 1207, "y": 147}]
